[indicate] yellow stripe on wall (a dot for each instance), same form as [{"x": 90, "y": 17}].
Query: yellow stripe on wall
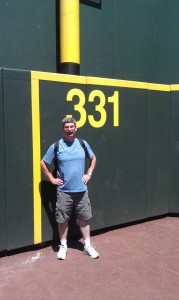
[
  {"x": 116, "y": 82},
  {"x": 128, "y": 84},
  {"x": 36, "y": 160},
  {"x": 159, "y": 87},
  {"x": 102, "y": 81},
  {"x": 58, "y": 77},
  {"x": 174, "y": 87}
]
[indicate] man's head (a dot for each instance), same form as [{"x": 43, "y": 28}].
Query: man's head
[
  {"x": 68, "y": 120},
  {"x": 69, "y": 128}
]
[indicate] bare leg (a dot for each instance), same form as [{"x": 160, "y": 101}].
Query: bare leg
[
  {"x": 63, "y": 230},
  {"x": 88, "y": 248},
  {"x": 85, "y": 229}
]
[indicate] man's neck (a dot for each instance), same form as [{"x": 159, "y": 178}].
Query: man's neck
[{"x": 69, "y": 139}]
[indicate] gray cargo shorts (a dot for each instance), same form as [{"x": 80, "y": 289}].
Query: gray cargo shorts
[{"x": 65, "y": 203}]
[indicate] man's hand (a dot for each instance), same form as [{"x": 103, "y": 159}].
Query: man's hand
[
  {"x": 86, "y": 178},
  {"x": 56, "y": 181}
]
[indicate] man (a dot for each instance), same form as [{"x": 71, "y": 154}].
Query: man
[{"x": 71, "y": 185}]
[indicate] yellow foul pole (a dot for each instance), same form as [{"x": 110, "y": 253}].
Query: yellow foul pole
[{"x": 69, "y": 37}]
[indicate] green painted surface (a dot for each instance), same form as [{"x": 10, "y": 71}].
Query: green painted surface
[
  {"x": 132, "y": 39},
  {"x": 3, "y": 212},
  {"x": 158, "y": 153},
  {"x": 136, "y": 38},
  {"x": 174, "y": 170},
  {"x": 18, "y": 140},
  {"x": 97, "y": 32},
  {"x": 28, "y": 35},
  {"x": 168, "y": 41},
  {"x": 119, "y": 188}
]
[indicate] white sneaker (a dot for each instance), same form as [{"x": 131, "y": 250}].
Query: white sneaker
[
  {"x": 62, "y": 253},
  {"x": 91, "y": 252}
]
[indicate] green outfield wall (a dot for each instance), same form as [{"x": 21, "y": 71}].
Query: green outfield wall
[
  {"x": 130, "y": 125},
  {"x": 126, "y": 102}
]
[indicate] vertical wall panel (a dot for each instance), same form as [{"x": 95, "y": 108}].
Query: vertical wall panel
[
  {"x": 97, "y": 33},
  {"x": 3, "y": 212},
  {"x": 168, "y": 41},
  {"x": 158, "y": 152},
  {"x": 174, "y": 170},
  {"x": 136, "y": 40},
  {"x": 18, "y": 139}
]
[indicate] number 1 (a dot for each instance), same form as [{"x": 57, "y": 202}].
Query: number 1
[{"x": 115, "y": 100}]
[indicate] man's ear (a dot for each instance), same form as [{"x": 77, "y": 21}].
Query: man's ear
[{"x": 75, "y": 129}]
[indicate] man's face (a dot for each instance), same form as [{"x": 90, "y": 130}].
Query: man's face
[{"x": 69, "y": 130}]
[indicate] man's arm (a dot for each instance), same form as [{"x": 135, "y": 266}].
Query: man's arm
[
  {"x": 91, "y": 167},
  {"x": 49, "y": 175}
]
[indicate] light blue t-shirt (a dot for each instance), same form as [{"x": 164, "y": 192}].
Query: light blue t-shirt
[{"x": 71, "y": 164}]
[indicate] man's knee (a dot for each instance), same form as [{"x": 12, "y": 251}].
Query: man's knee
[{"x": 83, "y": 223}]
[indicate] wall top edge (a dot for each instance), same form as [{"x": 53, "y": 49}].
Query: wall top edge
[
  {"x": 99, "y": 81},
  {"x": 174, "y": 87},
  {"x": 58, "y": 77}
]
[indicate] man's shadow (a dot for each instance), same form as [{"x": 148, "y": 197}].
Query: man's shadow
[{"x": 48, "y": 198}]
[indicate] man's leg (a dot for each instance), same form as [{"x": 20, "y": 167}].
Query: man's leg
[
  {"x": 85, "y": 229},
  {"x": 63, "y": 230},
  {"x": 63, "y": 211},
  {"x": 88, "y": 248},
  {"x": 83, "y": 212}
]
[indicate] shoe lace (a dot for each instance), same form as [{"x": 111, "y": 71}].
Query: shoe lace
[
  {"x": 91, "y": 249},
  {"x": 63, "y": 248}
]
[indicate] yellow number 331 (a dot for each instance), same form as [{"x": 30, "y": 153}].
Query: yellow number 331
[{"x": 100, "y": 108}]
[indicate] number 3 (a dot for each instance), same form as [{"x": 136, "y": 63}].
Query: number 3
[
  {"x": 99, "y": 108},
  {"x": 78, "y": 107}
]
